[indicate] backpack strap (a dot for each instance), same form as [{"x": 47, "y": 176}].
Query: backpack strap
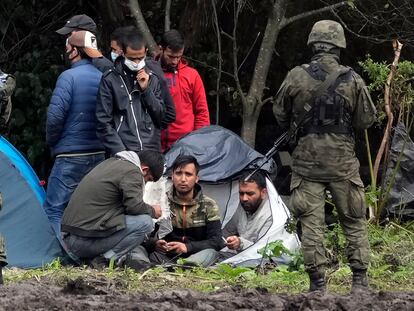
[{"x": 331, "y": 79}]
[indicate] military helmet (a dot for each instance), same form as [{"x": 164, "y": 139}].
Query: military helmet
[{"x": 327, "y": 31}]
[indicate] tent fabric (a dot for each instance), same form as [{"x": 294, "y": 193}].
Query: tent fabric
[
  {"x": 401, "y": 196},
  {"x": 30, "y": 240},
  {"x": 216, "y": 150},
  {"x": 277, "y": 231},
  {"x": 223, "y": 156}
]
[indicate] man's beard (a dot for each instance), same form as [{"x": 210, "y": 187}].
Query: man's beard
[
  {"x": 253, "y": 206},
  {"x": 182, "y": 193},
  {"x": 168, "y": 67}
]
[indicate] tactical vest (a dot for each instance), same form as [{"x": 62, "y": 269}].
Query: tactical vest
[{"x": 330, "y": 113}]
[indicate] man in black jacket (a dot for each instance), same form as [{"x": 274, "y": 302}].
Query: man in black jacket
[
  {"x": 130, "y": 109},
  {"x": 196, "y": 226},
  {"x": 117, "y": 42}
]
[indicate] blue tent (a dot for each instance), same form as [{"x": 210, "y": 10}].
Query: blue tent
[{"x": 30, "y": 239}]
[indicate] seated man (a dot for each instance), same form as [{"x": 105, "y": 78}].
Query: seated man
[
  {"x": 196, "y": 233},
  {"x": 250, "y": 222},
  {"x": 106, "y": 216}
]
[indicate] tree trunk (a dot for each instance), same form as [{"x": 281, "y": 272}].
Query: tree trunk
[
  {"x": 253, "y": 103},
  {"x": 249, "y": 126},
  {"x": 167, "y": 21},
  {"x": 142, "y": 25}
]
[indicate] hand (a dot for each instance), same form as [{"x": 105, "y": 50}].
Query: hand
[
  {"x": 161, "y": 246},
  {"x": 143, "y": 78},
  {"x": 177, "y": 247},
  {"x": 233, "y": 242},
  {"x": 157, "y": 211}
]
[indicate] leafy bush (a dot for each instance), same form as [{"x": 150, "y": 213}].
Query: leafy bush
[{"x": 36, "y": 75}]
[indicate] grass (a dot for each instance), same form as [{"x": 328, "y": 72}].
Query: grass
[{"x": 391, "y": 269}]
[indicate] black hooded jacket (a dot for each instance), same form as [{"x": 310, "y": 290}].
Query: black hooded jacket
[{"x": 128, "y": 118}]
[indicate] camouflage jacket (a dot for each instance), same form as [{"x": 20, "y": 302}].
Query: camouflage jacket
[
  {"x": 196, "y": 224},
  {"x": 328, "y": 156},
  {"x": 7, "y": 86}
]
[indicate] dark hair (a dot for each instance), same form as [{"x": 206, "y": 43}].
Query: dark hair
[
  {"x": 257, "y": 178},
  {"x": 183, "y": 160},
  {"x": 82, "y": 53},
  {"x": 133, "y": 39},
  {"x": 172, "y": 39},
  {"x": 154, "y": 160},
  {"x": 120, "y": 33}
]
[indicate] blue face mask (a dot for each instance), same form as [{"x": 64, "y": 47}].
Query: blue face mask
[
  {"x": 114, "y": 55},
  {"x": 133, "y": 66}
]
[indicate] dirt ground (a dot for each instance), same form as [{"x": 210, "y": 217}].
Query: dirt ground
[{"x": 83, "y": 295}]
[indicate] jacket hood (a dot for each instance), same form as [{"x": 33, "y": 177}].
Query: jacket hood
[
  {"x": 130, "y": 156},
  {"x": 181, "y": 64}
]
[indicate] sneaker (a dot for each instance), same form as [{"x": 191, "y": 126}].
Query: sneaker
[
  {"x": 138, "y": 265},
  {"x": 99, "y": 263}
]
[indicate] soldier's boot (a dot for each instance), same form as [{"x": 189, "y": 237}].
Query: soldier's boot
[
  {"x": 317, "y": 281},
  {"x": 1, "y": 275},
  {"x": 359, "y": 281}
]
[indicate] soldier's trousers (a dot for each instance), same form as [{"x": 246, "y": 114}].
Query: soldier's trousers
[
  {"x": 307, "y": 204},
  {"x": 3, "y": 261}
]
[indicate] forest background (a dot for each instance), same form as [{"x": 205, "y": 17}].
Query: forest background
[{"x": 242, "y": 49}]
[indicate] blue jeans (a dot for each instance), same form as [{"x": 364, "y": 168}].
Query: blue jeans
[
  {"x": 66, "y": 174},
  {"x": 115, "y": 245}
]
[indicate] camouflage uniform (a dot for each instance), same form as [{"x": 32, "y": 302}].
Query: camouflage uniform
[
  {"x": 327, "y": 161},
  {"x": 7, "y": 86}
]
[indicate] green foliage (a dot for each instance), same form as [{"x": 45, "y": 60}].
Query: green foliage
[
  {"x": 276, "y": 249},
  {"x": 372, "y": 195},
  {"x": 35, "y": 77},
  {"x": 273, "y": 249},
  {"x": 402, "y": 93},
  {"x": 392, "y": 268}
]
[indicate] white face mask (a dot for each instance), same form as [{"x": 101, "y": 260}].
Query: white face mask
[
  {"x": 114, "y": 55},
  {"x": 133, "y": 66}
]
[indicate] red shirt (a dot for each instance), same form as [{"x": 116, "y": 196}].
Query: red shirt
[{"x": 187, "y": 91}]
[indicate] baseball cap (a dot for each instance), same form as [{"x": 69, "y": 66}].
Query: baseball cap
[
  {"x": 87, "y": 41},
  {"x": 78, "y": 22}
]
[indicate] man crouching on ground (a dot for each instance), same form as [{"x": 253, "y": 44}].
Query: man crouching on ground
[{"x": 106, "y": 216}]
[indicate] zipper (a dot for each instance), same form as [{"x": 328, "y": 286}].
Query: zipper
[
  {"x": 133, "y": 112},
  {"x": 120, "y": 123}
]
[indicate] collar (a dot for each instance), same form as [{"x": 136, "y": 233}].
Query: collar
[
  {"x": 326, "y": 56},
  {"x": 80, "y": 63},
  {"x": 198, "y": 195}
]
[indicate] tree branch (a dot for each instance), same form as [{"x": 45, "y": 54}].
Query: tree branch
[
  {"x": 249, "y": 51},
  {"x": 204, "y": 64},
  {"x": 220, "y": 59},
  {"x": 142, "y": 25},
  {"x": 387, "y": 106},
  {"x": 295, "y": 18},
  {"x": 235, "y": 50},
  {"x": 167, "y": 25}
]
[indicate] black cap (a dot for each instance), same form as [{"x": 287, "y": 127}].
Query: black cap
[{"x": 78, "y": 22}]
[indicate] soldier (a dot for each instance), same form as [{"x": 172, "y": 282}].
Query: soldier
[
  {"x": 3, "y": 261},
  {"x": 7, "y": 86},
  {"x": 324, "y": 103}
]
